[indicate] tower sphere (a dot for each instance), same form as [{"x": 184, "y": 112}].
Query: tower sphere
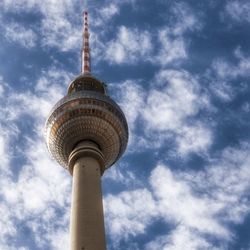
[{"x": 86, "y": 113}]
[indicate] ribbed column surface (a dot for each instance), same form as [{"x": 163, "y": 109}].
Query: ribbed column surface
[{"x": 87, "y": 221}]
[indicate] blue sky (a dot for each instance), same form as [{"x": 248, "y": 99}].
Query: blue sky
[{"x": 180, "y": 71}]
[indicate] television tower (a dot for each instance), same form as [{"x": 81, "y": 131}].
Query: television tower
[{"x": 86, "y": 133}]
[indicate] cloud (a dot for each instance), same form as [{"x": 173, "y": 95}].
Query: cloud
[
  {"x": 171, "y": 48},
  {"x": 176, "y": 98},
  {"x": 2, "y": 86},
  {"x": 120, "y": 174},
  {"x": 105, "y": 14},
  {"x": 223, "y": 73},
  {"x": 36, "y": 190},
  {"x": 55, "y": 24},
  {"x": 173, "y": 44},
  {"x": 21, "y": 5},
  {"x": 195, "y": 138},
  {"x": 186, "y": 19},
  {"x": 181, "y": 204},
  {"x": 239, "y": 11},
  {"x": 130, "y": 97},
  {"x": 58, "y": 25},
  {"x": 173, "y": 201},
  {"x": 34, "y": 199},
  {"x": 109, "y": 11},
  {"x": 19, "y": 34},
  {"x": 126, "y": 214},
  {"x": 181, "y": 238},
  {"x": 56, "y": 28},
  {"x": 49, "y": 6},
  {"x": 229, "y": 182},
  {"x": 226, "y": 70},
  {"x": 132, "y": 44},
  {"x": 167, "y": 110},
  {"x": 199, "y": 206},
  {"x": 48, "y": 90},
  {"x": 129, "y": 46},
  {"x": 44, "y": 190}
]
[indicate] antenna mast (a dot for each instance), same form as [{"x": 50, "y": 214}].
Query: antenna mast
[{"x": 85, "y": 47}]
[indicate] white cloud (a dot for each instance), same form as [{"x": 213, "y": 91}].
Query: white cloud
[
  {"x": 129, "y": 46},
  {"x": 120, "y": 174},
  {"x": 225, "y": 72},
  {"x": 173, "y": 45},
  {"x": 60, "y": 33},
  {"x": 2, "y": 86},
  {"x": 132, "y": 45},
  {"x": 129, "y": 213},
  {"x": 31, "y": 5},
  {"x": 60, "y": 30},
  {"x": 177, "y": 98},
  {"x": 186, "y": 19},
  {"x": 177, "y": 202},
  {"x": 8, "y": 131},
  {"x": 60, "y": 239},
  {"x": 238, "y": 10},
  {"x": 21, "y": 35},
  {"x": 223, "y": 90},
  {"x": 130, "y": 97},
  {"x": 173, "y": 101},
  {"x": 109, "y": 10},
  {"x": 41, "y": 189},
  {"x": 229, "y": 180},
  {"x": 171, "y": 49},
  {"x": 4, "y": 153},
  {"x": 57, "y": 27},
  {"x": 16, "y": 6},
  {"x": 181, "y": 238},
  {"x": 48, "y": 90},
  {"x": 7, "y": 225},
  {"x": 37, "y": 188},
  {"x": 173, "y": 98},
  {"x": 196, "y": 204},
  {"x": 101, "y": 15},
  {"x": 194, "y": 138}
]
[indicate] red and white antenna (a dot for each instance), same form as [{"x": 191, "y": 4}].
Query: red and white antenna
[{"x": 86, "y": 68}]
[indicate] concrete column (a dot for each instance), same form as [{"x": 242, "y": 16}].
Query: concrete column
[{"x": 87, "y": 221}]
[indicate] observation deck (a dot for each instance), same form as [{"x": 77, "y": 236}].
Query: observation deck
[{"x": 86, "y": 113}]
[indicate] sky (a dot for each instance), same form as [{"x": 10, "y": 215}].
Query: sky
[{"x": 180, "y": 72}]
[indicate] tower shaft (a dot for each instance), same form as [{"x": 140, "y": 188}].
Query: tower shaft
[{"x": 87, "y": 221}]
